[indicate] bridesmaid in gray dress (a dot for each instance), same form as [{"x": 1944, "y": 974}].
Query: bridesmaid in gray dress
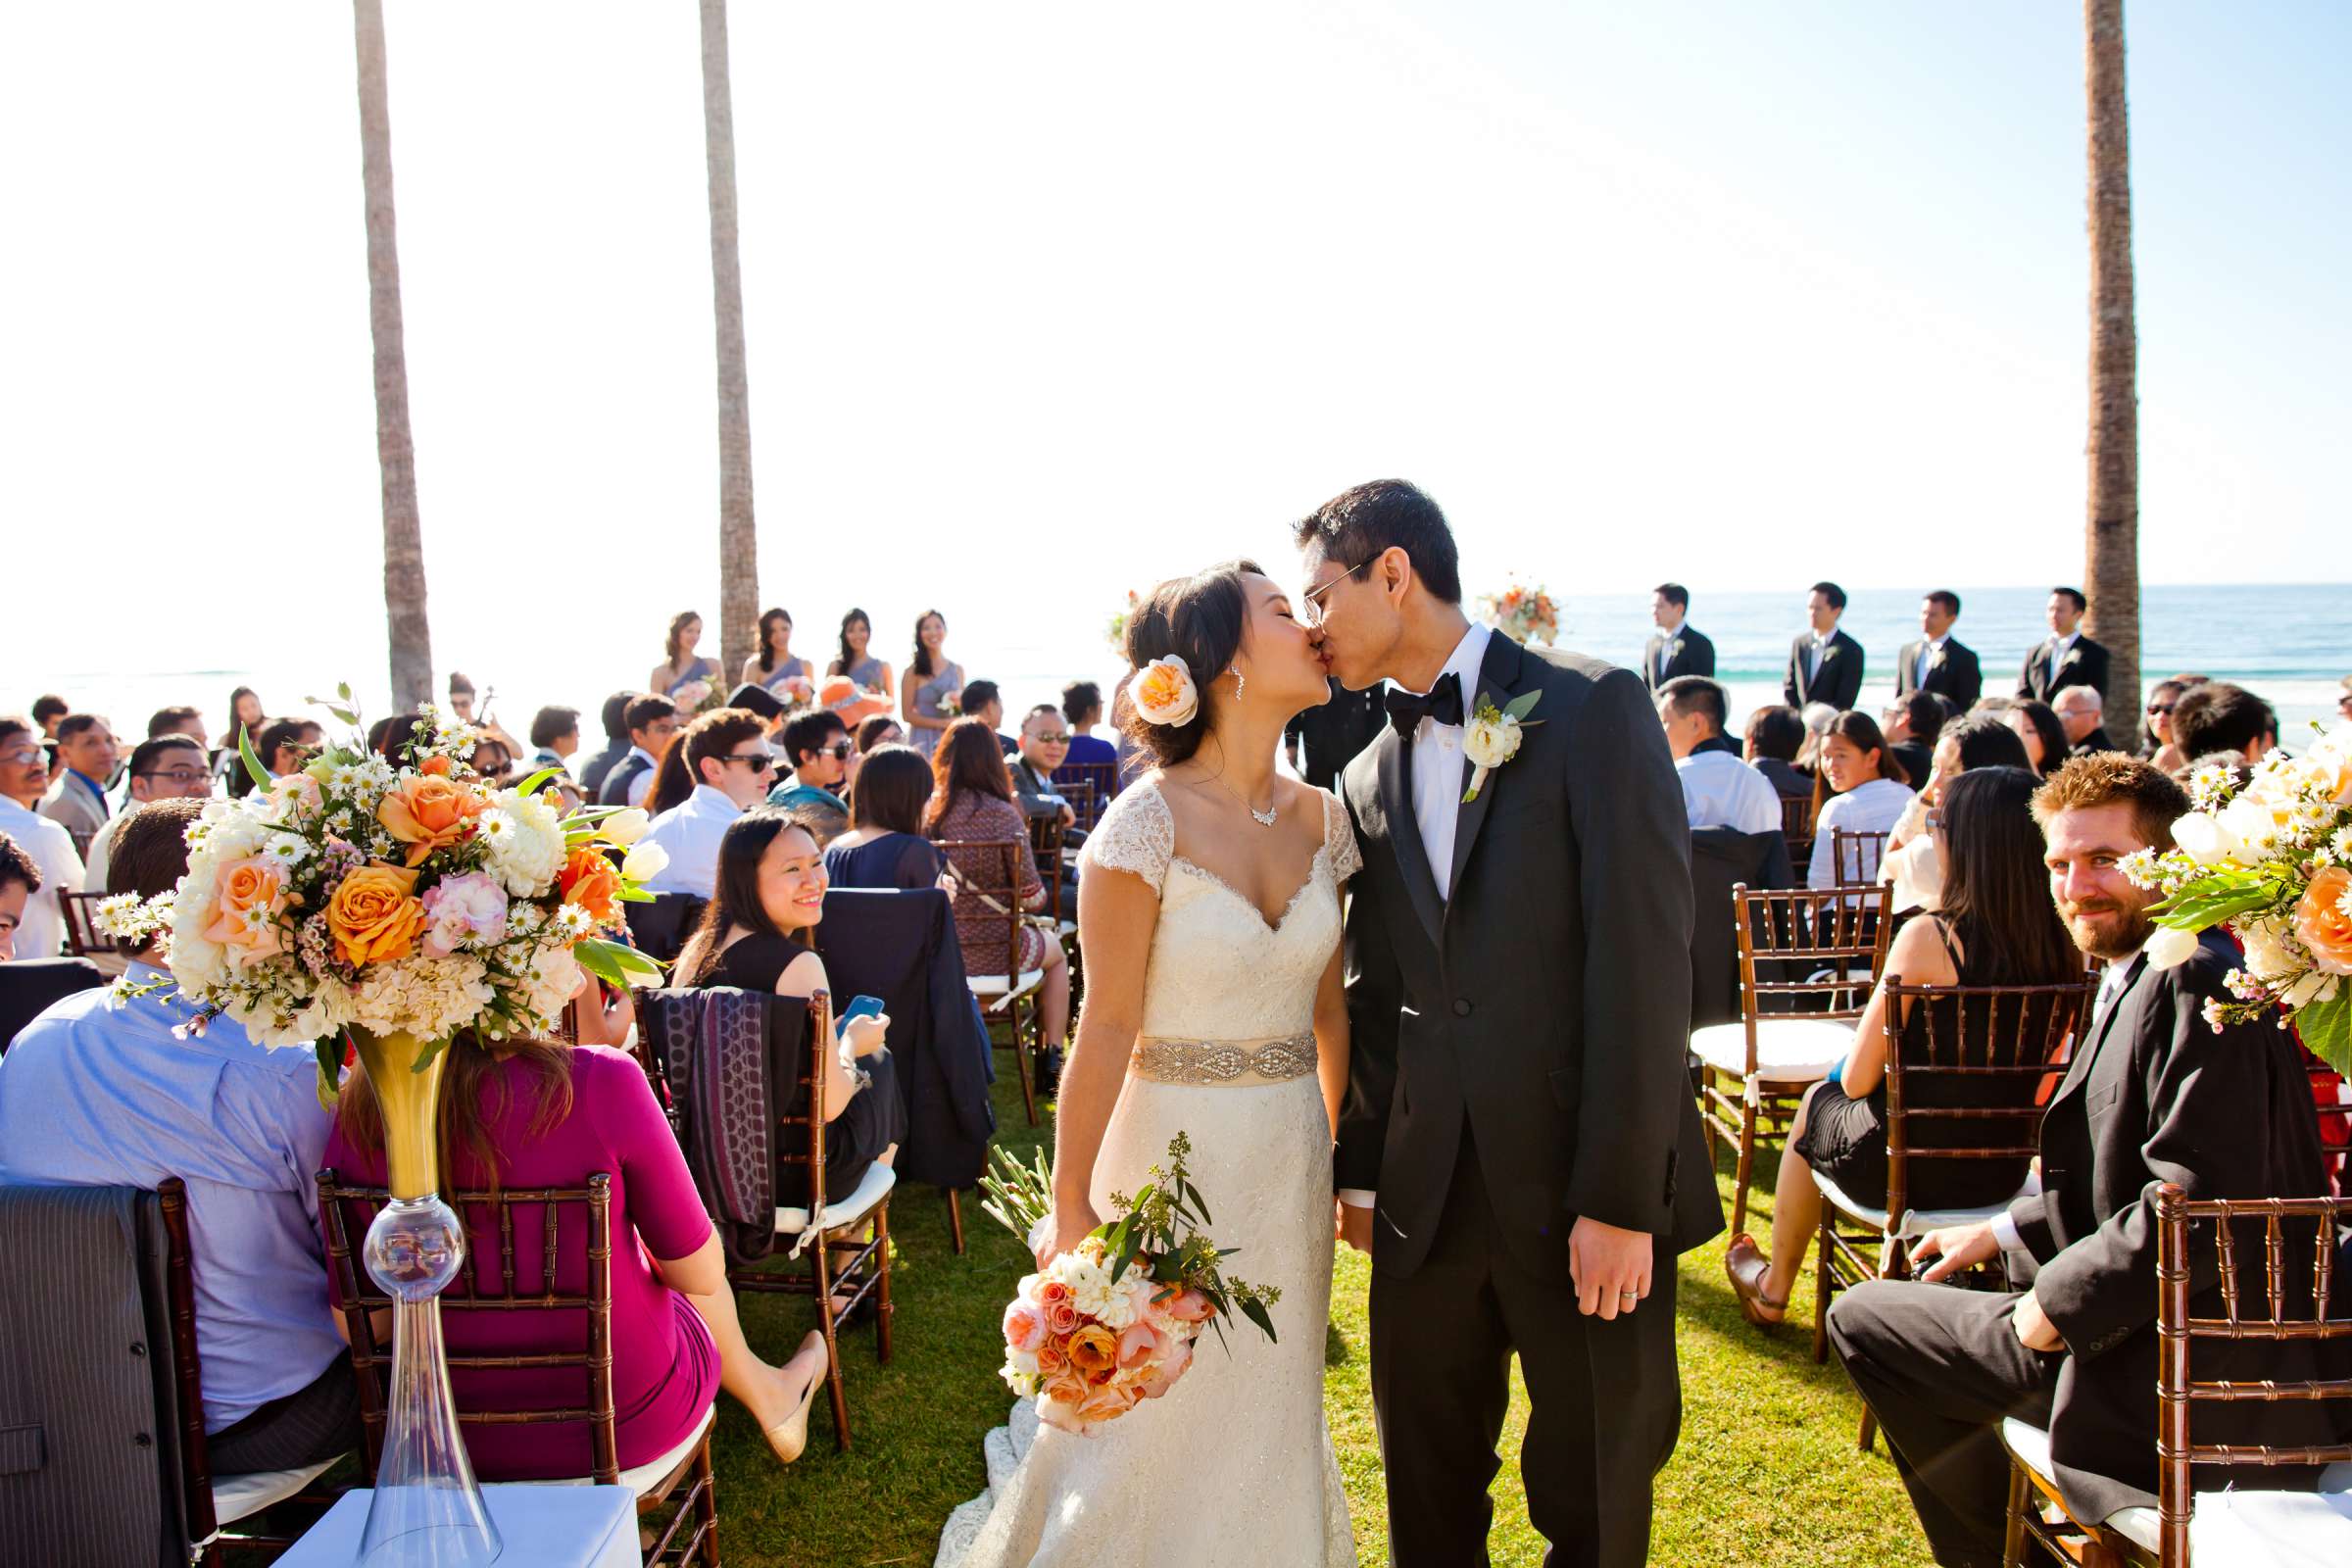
[
  {"x": 857, "y": 658},
  {"x": 927, "y": 702},
  {"x": 775, "y": 667}
]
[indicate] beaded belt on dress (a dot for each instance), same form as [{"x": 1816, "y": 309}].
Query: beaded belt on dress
[{"x": 1220, "y": 1063}]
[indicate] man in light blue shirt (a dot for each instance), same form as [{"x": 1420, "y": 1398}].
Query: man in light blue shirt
[{"x": 93, "y": 1097}]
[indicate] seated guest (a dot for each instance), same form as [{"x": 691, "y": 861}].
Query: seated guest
[
  {"x": 984, "y": 702},
  {"x": 879, "y": 730},
  {"x": 2217, "y": 716},
  {"x": 852, "y": 702},
  {"x": 884, "y": 847},
  {"x": 2079, "y": 710},
  {"x": 2156, "y": 723},
  {"x": 1719, "y": 790},
  {"x": 1911, "y": 723},
  {"x": 537, "y": 1114},
  {"x": 168, "y": 767},
  {"x": 391, "y": 738},
  {"x": 1082, "y": 708},
  {"x": 816, "y": 746},
  {"x": 1045, "y": 744},
  {"x": 613, "y": 717},
  {"x": 493, "y": 762},
  {"x": 555, "y": 738},
  {"x": 93, "y": 1096},
  {"x": 1818, "y": 717},
  {"x": 1995, "y": 927},
  {"x": 725, "y": 753},
  {"x": 24, "y": 780},
  {"x": 1862, "y": 790},
  {"x": 1775, "y": 733},
  {"x": 86, "y": 754},
  {"x": 650, "y": 721},
  {"x": 21, "y": 879},
  {"x": 30, "y": 985},
  {"x": 180, "y": 719},
  {"x": 755, "y": 937},
  {"x": 48, "y": 712},
  {"x": 1963, "y": 746},
  {"x": 287, "y": 745},
  {"x": 2153, "y": 1093},
  {"x": 2037, "y": 725},
  {"x": 971, "y": 798}
]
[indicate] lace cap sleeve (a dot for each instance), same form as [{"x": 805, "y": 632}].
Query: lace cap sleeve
[
  {"x": 1340, "y": 839},
  {"x": 1137, "y": 834}
]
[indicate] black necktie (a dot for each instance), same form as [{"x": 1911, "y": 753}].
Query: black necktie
[{"x": 1442, "y": 703}]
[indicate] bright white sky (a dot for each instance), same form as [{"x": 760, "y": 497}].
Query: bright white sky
[{"x": 1045, "y": 301}]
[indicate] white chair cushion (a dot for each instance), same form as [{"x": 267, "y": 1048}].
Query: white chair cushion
[
  {"x": 1786, "y": 1048},
  {"x": 642, "y": 1478},
  {"x": 1917, "y": 1222},
  {"x": 236, "y": 1496},
  {"x": 986, "y": 985},
  {"x": 2242, "y": 1524},
  {"x": 875, "y": 1185}
]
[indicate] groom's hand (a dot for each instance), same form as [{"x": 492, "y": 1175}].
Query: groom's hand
[
  {"x": 1355, "y": 1227},
  {"x": 1609, "y": 1265}
]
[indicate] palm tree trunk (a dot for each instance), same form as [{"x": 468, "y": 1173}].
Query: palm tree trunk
[
  {"x": 738, "y": 533},
  {"x": 2111, "y": 542},
  {"x": 395, "y": 451}
]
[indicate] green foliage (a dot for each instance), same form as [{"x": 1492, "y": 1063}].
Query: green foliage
[{"x": 2326, "y": 1028}]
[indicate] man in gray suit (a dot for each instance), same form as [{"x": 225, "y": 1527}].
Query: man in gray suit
[
  {"x": 1518, "y": 1149},
  {"x": 86, "y": 754}
]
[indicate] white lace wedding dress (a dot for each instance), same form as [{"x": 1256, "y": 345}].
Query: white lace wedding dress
[{"x": 1234, "y": 1467}]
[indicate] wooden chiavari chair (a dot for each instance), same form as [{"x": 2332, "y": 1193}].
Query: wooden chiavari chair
[
  {"x": 1854, "y": 856},
  {"x": 1099, "y": 781},
  {"x": 1808, "y": 958},
  {"x": 988, "y": 872},
  {"x": 2299, "y": 1301},
  {"x": 1797, "y": 813},
  {"x": 83, "y": 938},
  {"x": 678, "y": 1482}
]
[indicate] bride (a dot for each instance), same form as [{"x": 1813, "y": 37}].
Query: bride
[{"x": 1209, "y": 915}]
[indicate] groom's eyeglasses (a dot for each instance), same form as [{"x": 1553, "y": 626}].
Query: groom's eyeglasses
[{"x": 1313, "y": 596}]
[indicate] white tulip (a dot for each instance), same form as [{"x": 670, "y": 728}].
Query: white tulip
[
  {"x": 2250, "y": 827},
  {"x": 2169, "y": 947},
  {"x": 643, "y": 863},
  {"x": 625, "y": 828},
  {"x": 2203, "y": 838}
]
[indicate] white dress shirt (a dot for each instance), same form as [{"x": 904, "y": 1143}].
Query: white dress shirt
[
  {"x": 102, "y": 851},
  {"x": 1874, "y": 806},
  {"x": 43, "y": 935},
  {"x": 1719, "y": 790},
  {"x": 690, "y": 831},
  {"x": 1813, "y": 651},
  {"x": 1666, "y": 637},
  {"x": 1927, "y": 658},
  {"x": 2058, "y": 647},
  {"x": 643, "y": 784},
  {"x": 2112, "y": 981},
  {"x": 1438, "y": 785}
]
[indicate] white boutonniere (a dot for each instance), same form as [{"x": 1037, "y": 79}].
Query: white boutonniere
[
  {"x": 1494, "y": 734},
  {"x": 1675, "y": 648},
  {"x": 2072, "y": 654}
]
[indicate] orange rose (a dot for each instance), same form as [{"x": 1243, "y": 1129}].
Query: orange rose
[
  {"x": 437, "y": 767},
  {"x": 2324, "y": 923},
  {"x": 428, "y": 813},
  {"x": 376, "y": 915},
  {"x": 589, "y": 881},
  {"x": 1093, "y": 1348},
  {"x": 1067, "y": 1387},
  {"x": 248, "y": 895}
]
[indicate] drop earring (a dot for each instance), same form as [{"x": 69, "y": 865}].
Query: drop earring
[{"x": 1240, "y": 683}]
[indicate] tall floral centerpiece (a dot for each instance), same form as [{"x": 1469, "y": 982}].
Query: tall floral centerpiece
[
  {"x": 1522, "y": 612},
  {"x": 2270, "y": 859},
  {"x": 388, "y": 909}
]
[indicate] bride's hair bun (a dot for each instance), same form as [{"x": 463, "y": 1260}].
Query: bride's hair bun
[{"x": 1198, "y": 620}]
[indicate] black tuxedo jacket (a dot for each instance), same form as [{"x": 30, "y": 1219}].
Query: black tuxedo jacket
[
  {"x": 2156, "y": 1096},
  {"x": 2084, "y": 664},
  {"x": 2095, "y": 742},
  {"x": 1957, "y": 674},
  {"x": 1694, "y": 653},
  {"x": 1839, "y": 681},
  {"x": 1545, "y": 1006}
]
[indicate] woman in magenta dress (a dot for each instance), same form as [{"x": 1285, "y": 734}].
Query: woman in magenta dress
[{"x": 529, "y": 1113}]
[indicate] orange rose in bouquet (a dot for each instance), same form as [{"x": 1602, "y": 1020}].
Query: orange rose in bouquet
[
  {"x": 427, "y": 811},
  {"x": 248, "y": 896},
  {"x": 589, "y": 880},
  {"x": 375, "y": 915}
]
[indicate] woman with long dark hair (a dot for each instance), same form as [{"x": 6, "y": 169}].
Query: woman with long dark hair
[
  {"x": 776, "y": 669},
  {"x": 1865, "y": 790},
  {"x": 2035, "y": 723},
  {"x": 856, "y": 660},
  {"x": 885, "y": 846},
  {"x": 934, "y": 682},
  {"x": 538, "y": 1113},
  {"x": 1995, "y": 927},
  {"x": 683, "y": 673}
]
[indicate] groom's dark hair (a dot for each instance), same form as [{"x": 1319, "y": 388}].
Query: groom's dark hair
[{"x": 1356, "y": 525}]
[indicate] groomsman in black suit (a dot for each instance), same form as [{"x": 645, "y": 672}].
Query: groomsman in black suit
[
  {"x": 1939, "y": 662},
  {"x": 1675, "y": 649},
  {"x": 1824, "y": 664},
  {"x": 2066, "y": 658}
]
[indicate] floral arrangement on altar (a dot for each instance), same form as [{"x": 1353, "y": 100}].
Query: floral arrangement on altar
[
  {"x": 1521, "y": 612},
  {"x": 414, "y": 899},
  {"x": 2272, "y": 861},
  {"x": 1110, "y": 1324}
]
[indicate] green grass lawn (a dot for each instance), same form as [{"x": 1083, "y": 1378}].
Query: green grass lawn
[{"x": 1766, "y": 1473}]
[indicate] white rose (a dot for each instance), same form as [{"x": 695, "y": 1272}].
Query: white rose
[
  {"x": 625, "y": 828},
  {"x": 645, "y": 862},
  {"x": 2203, "y": 838},
  {"x": 2266, "y": 958},
  {"x": 2169, "y": 947},
  {"x": 1492, "y": 742}
]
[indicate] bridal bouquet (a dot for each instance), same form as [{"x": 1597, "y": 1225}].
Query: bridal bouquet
[
  {"x": 2273, "y": 861},
  {"x": 1521, "y": 612},
  {"x": 1110, "y": 1324},
  {"x": 415, "y": 899}
]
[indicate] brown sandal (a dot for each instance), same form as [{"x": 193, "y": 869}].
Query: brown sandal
[{"x": 1745, "y": 1261}]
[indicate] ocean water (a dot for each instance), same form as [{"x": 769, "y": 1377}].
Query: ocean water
[{"x": 2291, "y": 643}]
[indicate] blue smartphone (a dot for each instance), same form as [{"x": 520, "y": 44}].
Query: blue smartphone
[{"x": 858, "y": 1008}]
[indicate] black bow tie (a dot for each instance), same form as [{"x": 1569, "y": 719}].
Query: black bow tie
[{"x": 1442, "y": 703}]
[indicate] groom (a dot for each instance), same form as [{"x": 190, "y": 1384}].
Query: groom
[{"x": 1519, "y": 1149}]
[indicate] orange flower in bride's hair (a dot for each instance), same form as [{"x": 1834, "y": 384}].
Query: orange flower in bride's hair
[
  {"x": 375, "y": 915},
  {"x": 589, "y": 881},
  {"x": 1093, "y": 1348},
  {"x": 428, "y": 812}
]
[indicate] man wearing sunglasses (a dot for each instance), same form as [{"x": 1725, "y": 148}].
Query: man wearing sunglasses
[
  {"x": 727, "y": 752},
  {"x": 817, "y": 745},
  {"x": 168, "y": 768}
]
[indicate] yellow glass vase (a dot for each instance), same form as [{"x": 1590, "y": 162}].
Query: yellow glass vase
[{"x": 411, "y": 1102}]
